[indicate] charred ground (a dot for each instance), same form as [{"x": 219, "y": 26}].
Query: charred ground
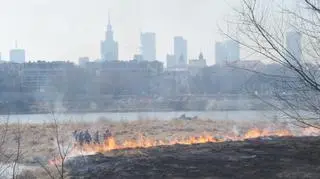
[{"x": 287, "y": 157}]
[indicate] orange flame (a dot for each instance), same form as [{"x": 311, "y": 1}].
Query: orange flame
[
  {"x": 144, "y": 142},
  {"x": 256, "y": 133}
]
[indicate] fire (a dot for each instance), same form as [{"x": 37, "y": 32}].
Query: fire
[
  {"x": 144, "y": 142},
  {"x": 256, "y": 133}
]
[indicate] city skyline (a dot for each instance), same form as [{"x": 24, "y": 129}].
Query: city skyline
[
  {"x": 47, "y": 30},
  {"x": 55, "y": 30}
]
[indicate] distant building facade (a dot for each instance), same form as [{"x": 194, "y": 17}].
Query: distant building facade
[
  {"x": 293, "y": 45},
  {"x": 17, "y": 56},
  {"x": 148, "y": 46},
  {"x": 1, "y": 60},
  {"x": 138, "y": 57},
  {"x": 42, "y": 76},
  {"x": 180, "y": 51},
  {"x": 221, "y": 54},
  {"x": 198, "y": 63},
  {"x": 171, "y": 61},
  {"x": 227, "y": 51},
  {"x": 233, "y": 50},
  {"x": 83, "y": 61},
  {"x": 109, "y": 47},
  {"x": 127, "y": 77}
]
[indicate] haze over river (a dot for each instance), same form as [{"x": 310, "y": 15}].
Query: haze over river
[{"x": 92, "y": 117}]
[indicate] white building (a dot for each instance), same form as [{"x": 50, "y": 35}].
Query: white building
[
  {"x": 198, "y": 63},
  {"x": 148, "y": 46},
  {"x": 17, "y": 56},
  {"x": 227, "y": 51},
  {"x": 171, "y": 61},
  {"x": 293, "y": 45},
  {"x": 109, "y": 47},
  {"x": 180, "y": 51},
  {"x": 233, "y": 50},
  {"x": 221, "y": 55}
]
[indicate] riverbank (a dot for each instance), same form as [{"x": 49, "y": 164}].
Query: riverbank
[
  {"x": 152, "y": 105},
  {"x": 131, "y": 116},
  {"x": 135, "y": 110}
]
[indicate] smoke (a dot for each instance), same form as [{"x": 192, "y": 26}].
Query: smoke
[
  {"x": 58, "y": 104},
  {"x": 235, "y": 130}
]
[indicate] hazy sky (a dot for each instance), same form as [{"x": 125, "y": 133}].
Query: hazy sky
[{"x": 67, "y": 29}]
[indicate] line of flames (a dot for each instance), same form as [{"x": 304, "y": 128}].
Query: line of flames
[{"x": 144, "y": 142}]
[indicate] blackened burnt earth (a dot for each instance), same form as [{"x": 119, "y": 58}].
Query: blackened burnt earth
[{"x": 290, "y": 158}]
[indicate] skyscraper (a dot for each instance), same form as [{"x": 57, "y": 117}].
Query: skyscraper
[
  {"x": 17, "y": 56},
  {"x": 232, "y": 50},
  {"x": 293, "y": 45},
  {"x": 148, "y": 46},
  {"x": 180, "y": 51},
  {"x": 227, "y": 51},
  {"x": 221, "y": 55},
  {"x": 109, "y": 47}
]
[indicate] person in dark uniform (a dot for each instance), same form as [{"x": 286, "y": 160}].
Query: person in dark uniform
[
  {"x": 96, "y": 138},
  {"x": 75, "y": 136},
  {"x": 81, "y": 138},
  {"x": 107, "y": 134},
  {"x": 87, "y": 137}
]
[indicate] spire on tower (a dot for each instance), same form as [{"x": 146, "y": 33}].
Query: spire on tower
[
  {"x": 109, "y": 33},
  {"x": 109, "y": 22}
]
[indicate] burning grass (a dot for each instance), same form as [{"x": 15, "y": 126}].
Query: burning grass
[
  {"x": 39, "y": 144},
  {"x": 277, "y": 157},
  {"x": 39, "y": 139},
  {"x": 145, "y": 142}
]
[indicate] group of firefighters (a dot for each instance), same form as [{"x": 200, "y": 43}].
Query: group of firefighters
[{"x": 84, "y": 137}]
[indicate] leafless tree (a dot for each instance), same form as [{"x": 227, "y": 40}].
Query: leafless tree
[
  {"x": 3, "y": 138},
  {"x": 10, "y": 157},
  {"x": 18, "y": 153},
  {"x": 60, "y": 157},
  {"x": 261, "y": 28}
]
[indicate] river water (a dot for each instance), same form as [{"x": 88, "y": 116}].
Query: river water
[{"x": 92, "y": 117}]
